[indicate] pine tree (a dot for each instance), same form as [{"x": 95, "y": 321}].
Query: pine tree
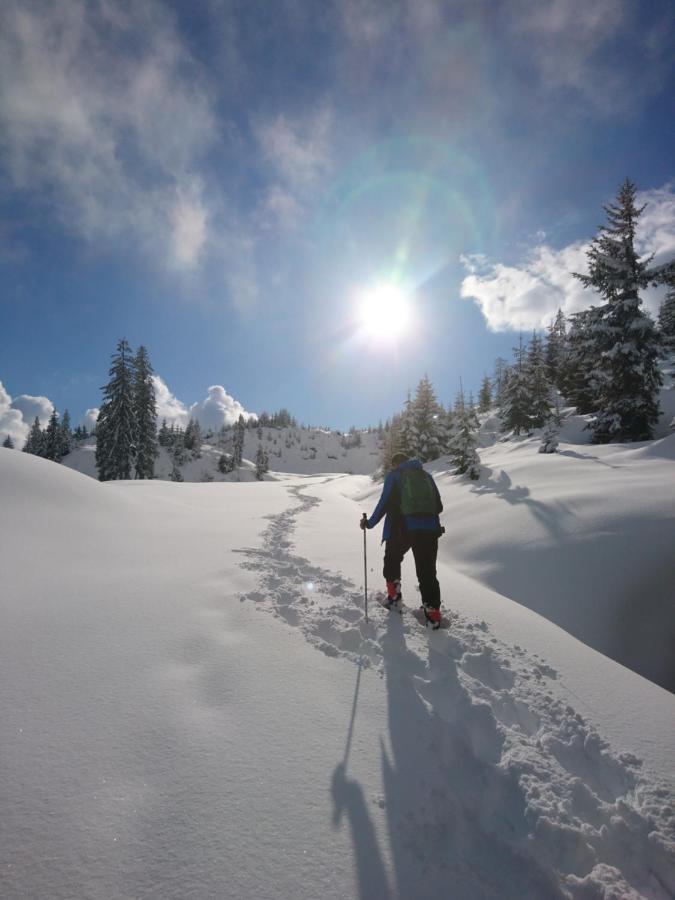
[
  {"x": 426, "y": 413},
  {"x": 485, "y": 395},
  {"x": 390, "y": 443},
  {"x": 116, "y": 423},
  {"x": 626, "y": 346},
  {"x": 667, "y": 321},
  {"x": 65, "y": 436},
  {"x": 52, "y": 441},
  {"x": 145, "y": 415},
  {"x": 556, "y": 350},
  {"x": 407, "y": 439},
  {"x": 499, "y": 378},
  {"x": 8, "y": 442},
  {"x": 538, "y": 386},
  {"x": 464, "y": 440},
  {"x": 515, "y": 400},
  {"x": 238, "y": 442},
  {"x": 579, "y": 382},
  {"x": 35, "y": 442},
  {"x": 261, "y": 462}
]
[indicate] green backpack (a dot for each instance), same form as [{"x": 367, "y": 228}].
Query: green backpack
[{"x": 418, "y": 497}]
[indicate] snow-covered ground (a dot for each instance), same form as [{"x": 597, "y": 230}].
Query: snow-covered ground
[{"x": 170, "y": 730}]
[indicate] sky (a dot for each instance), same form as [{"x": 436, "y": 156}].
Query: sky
[{"x": 227, "y": 183}]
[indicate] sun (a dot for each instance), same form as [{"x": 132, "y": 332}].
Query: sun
[{"x": 384, "y": 312}]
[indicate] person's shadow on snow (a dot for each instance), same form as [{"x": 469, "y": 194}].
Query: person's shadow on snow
[{"x": 456, "y": 820}]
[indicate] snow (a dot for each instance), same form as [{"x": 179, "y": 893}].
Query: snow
[{"x": 194, "y": 706}]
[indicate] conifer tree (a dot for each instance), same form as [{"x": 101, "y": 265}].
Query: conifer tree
[
  {"x": 407, "y": 439},
  {"x": 579, "y": 383},
  {"x": 667, "y": 321},
  {"x": 485, "y": 395},
  {"x": 52, "y": 441},
  {"x": 238, "y": 442},
  {"x": 515, "y": 401},
  {"x": 538, "y": 387},
  {"x": 65, "y": 436},
  {"x": 426, "y": 416},
  {"x": 8, "y": 442},
  {"x": 464, "y": 440},
  {"x": 556, "y": 350},
  {"x": 390, "y": 443},
  {"x": 499, "y": 378},
  {"x": 145, "y": 415},
  {"x": 261, "y": 462},
  {"x": 116, "y": 422},
  {"x": 626, "y": 348},
  {"x": 35, "y": 440}
]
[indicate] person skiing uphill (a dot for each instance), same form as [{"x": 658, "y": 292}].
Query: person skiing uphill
[{"x": 411, "y": 503}]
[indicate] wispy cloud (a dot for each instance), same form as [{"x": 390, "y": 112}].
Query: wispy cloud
[
  {"x": 527, "y": 295},
  {"x": 298, "y": 154},
  {"x": 104, "y": 119}
]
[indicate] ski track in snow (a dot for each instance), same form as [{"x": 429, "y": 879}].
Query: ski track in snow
[{"x": 481, "y": 746}]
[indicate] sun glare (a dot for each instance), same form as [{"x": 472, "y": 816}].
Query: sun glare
[{"x": 384, "y": 312}]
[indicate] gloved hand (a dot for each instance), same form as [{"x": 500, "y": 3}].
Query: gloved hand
[{"x": 364, "y": 522}]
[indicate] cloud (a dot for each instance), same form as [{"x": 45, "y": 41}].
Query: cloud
[
  {"x": 169, "y": 407},
  {"x": 89, "y": 419},
  {"x": 30, "y": 407},
  {"x": 104, "y": 120},
  {"x": 11, "y": 421},
  {"x": 527, "y": 295},
  {"x": 299, "y": 155},
  {"x": 218, "y": 409}
]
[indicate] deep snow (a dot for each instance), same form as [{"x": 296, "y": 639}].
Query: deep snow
[{"x": 163, "y": 735}]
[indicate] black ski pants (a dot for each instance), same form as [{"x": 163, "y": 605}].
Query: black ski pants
[{"x": 425, "y": 550}]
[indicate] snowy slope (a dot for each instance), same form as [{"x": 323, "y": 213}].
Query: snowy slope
[
  {"x": 291, "y": 450},
  {"x": 164, "y": 735}
]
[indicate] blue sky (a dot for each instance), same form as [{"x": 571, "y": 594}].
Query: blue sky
[{"x": 223, "y": 181}]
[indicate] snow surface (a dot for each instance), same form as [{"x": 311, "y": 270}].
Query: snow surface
[{"x": 170, "y": 730}]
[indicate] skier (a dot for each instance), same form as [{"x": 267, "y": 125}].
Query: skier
[{"x": 411, "y": 502}]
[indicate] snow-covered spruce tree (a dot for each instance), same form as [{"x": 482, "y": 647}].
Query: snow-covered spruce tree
[
  {"x": 499, "y": 378},
  {"x": 549, "y": 439},
  {"x": 390, "y": 443},
  {"x": 52, "y": 441},
  {"x": 515, "y": 401},
  {"x": 579, "y": 380},
  {"x": 557, "y": 350},
  {"x": 116, "y": 422},
  {"x": 8, "y": 442},
  {"x": 667, "y": 321},
  {"x": 261, "y": 462},
  {"x": 238, "y": 442},
  {"x": 145, "y": 415},
  {"x": 538, "y": 385},
  {"x": 35, "y": 442},
  {"x": 426, "y": 421},
  {"x": 407, "y": 437},
  {"x": 626, "y": 347},
  {"x": 485, "y": 395},
  {"x": 65, "y": 436},
  {"x": 464, "y": 442},
  {"x": 164, "y": 435}
]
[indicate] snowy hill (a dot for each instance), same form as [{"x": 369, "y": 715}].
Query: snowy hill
[
  {"x": 290, "y": 450},
  {"x": 169, "y": 728}
]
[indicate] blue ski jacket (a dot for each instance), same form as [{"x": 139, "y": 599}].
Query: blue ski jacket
[{"x": 389, "y": 504}]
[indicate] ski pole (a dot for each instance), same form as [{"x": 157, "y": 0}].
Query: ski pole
[{"x": 364, "y": 518}]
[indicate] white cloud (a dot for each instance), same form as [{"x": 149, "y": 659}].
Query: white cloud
[
  {"x": 218, "y": 409},
  {"x": 103, "y": 119},
  {"x": 527, "y": 295},
  {"x": 89, "y": 418},
  {"x": 11, "y": 421},
  {"x": 169, "y": 407},
  {"x": 30, "y": 407}
]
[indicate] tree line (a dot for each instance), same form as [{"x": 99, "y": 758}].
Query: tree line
[{"x": 603, "y": 360}]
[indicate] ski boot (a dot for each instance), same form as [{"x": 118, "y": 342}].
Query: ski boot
[
  {"x": 394, "y": 597},
  {"x": 432, "y": 616}
]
